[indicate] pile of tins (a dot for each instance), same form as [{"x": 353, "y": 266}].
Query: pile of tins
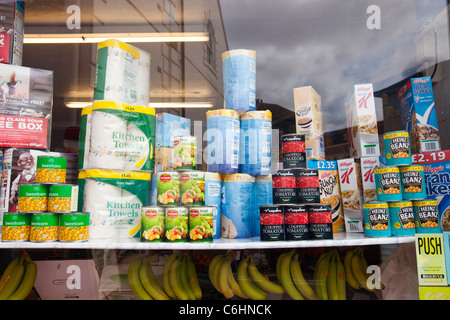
[
  {"x": 296, "y": 213},
  {"x": 402, "y": 207},
  {"x": 47, "y": 210}
]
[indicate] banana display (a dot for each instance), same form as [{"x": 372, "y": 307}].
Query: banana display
[
  {"x": 179, "y": 279},
  {"x": 355, "y": 267},
  {"x": 18, "y": 279}
]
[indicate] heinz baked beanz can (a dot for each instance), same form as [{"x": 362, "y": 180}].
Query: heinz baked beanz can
[
  {"x": 271, "y": 223},
  {"x": 51, "y": 169},
  {"x": 401, "y": 215},
  {"x": 377, "y": 220},
  {"x": 413, "y": 182},
  {"x": 32, "y": 197},
  {"x": 201, "y": 224},
  {"x": 152, "y": 224},
  {"x": 397, "y": 148},
  {"x": 388, "y": 184},
  {"x": 426, "y": 215}
]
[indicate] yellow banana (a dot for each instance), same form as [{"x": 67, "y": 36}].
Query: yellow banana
[
  {"x": 7, "y": 273},
  {"x": 148, "y": 282},
  {"x": 285, "y": 276},
  {"x": 357, "y": 269},
  {"x": 134, "y": 281},
  {"x": 222, "y": 280},
  {"x": 377, "y": 283},
  {"x": 14, "y": 280},
  {"x": 299, "y": 280},
  {"x": 175, "y": 280},
  {"x": 212, "y": 270},
  {"x": 348, "y": 270},
  {"x": 332, "y": 277},
  {"x": 235, "y": 285},
  {"x": 340, "y": 278},
  {"x": 322, "y": 275},
  {"x": 192, "y": 277},
  {"x": 184, "y": 278},
  {"x": 261, "y": 281},
  {"x": 27, "y": 282},
  {"x": 166, "y": 276},
  {"x": 246, "y": 284}
]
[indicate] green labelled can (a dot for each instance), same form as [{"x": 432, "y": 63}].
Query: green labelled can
[
  {"x": 32, "y": 197},
  {"x": 376, "y": 219},
  {"x": 185, "y": 153},
  {"x": 44, "y": 226},
  {"x": 176, "y": 220},
  {"x": 51, "y": 169},
  {"x": 426, "y": 216},
  {"x": 168, "y": 188},
  {"x": 193, "y": 188},
  {"x": 401, "y": 214},
  {"x": 152, "y": 224},
  {"x": 201, "y": 223},
  {"x": 62, "y": 198},
  {"x": 74, "y": 226},
  {"x": 16, "y": 226}
]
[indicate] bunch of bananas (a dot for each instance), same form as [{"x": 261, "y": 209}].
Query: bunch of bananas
[
  {"x": 291, "y": 276},
  {"x": 250, "y": 283},
  {"x": 356, "y": 271},
  {"x": 329, "y": 277},
  {"x": 179, "y": 279},
  {"x": 18, "y": 279}
]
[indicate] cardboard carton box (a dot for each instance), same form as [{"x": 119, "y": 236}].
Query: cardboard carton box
[
  {"x": 169, "y": 126},
  {"x": 11, "y": 32}
]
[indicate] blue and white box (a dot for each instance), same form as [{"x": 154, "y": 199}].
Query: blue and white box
[{"x": 169, "y": 126}]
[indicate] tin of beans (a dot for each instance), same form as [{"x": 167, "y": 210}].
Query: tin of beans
[
  {"x": 63, "y": 198},
  {"x": 377, "y": 220},
  {"x": 44, "y": 226},
  {"x": 16, "y": 226},
  {"x": 388, "y": 184},
  {"x": 296, "y": 222},
  {"x": 320, "y": 221},
  {"x": 51, "y": 169},
  {"x": 74, "y": 226},
  {"x": 401, "y": 214},
  {"x": 271, "y": 221},
  {"x": 32, "y": 197},
  {"x": 293, "y": 151},
  {"x": 413, "y": 182},
  {"x": 397, "y": 148},
  {"x": 426, "y": 216}
]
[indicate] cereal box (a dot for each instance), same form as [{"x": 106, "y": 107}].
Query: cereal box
[
  {"x": 11, "y": 32},
  {"x": 308, "y": 121},
  {"x": 163, "y": 159},
  {"x": 169, "y": 126},
  {"x": 351, "y": 194},
  {"x": 436, "y": 165},
  {"x": 418, "y": 114},
  {"x": 330, "y": 190},
  {"x": 368, "y": 164},
  {"x": 362, "y": 122}
]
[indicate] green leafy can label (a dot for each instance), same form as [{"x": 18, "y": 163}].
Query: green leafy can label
[
  {"x": 74, "y": 226},
  {"x": 63, "y": 198},
  {"x": 176, "y": 222},
  {"x": 193, "y": 188},
  {"x": 16, "y": 226},
  {"x": 44, "y": 227},
  {"x": 201, "y": 224},
  {"x": 152, "y": 224},
  {"x": 185, "y": 153},
  {"x": 32, "y": 197},
  {"x": 168, "y": 189},
  {"x": 51, "y": 169}
]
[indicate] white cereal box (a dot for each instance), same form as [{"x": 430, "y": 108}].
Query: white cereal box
[
  {"x": 362, "y": 122},
  {"x": 351, "y": 194},
  {"x": 368, "y": 179}
]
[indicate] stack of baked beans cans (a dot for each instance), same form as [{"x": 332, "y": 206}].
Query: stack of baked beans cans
[
  {"x": 296, "y": 213},
  {"x": 402, "y": 207},
  {"x": 47, "y": 209}
]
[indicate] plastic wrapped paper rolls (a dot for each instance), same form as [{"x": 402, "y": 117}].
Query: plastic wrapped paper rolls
[
  {"x": 239, "y": 80},
  {"x": 237, "y": 206},
  {"x": 223, "y": 136},
  {"x": 84, "y": 137},
  {"x": 114, "y": 201},
  {"x": 122, "y": 137},
  {"x": 263, "y": 196},
  {"x": 122, "y": 73},
  {"x": 255, "y": 143},
  {"x": 213, "y": 197}
]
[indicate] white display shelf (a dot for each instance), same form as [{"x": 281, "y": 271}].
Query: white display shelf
[{"x": 340, "y": 240}]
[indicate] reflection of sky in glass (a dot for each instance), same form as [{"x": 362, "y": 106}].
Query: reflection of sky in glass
[{"x": 328, "y": 45}]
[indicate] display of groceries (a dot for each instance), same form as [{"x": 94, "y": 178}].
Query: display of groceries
[{"x": 140, "y": 174}]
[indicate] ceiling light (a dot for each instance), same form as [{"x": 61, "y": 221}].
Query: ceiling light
[
  {"x": 78, "y": 104},
  {"x": 158, "y": 105},
  {"x": 124, "y": 37}
]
